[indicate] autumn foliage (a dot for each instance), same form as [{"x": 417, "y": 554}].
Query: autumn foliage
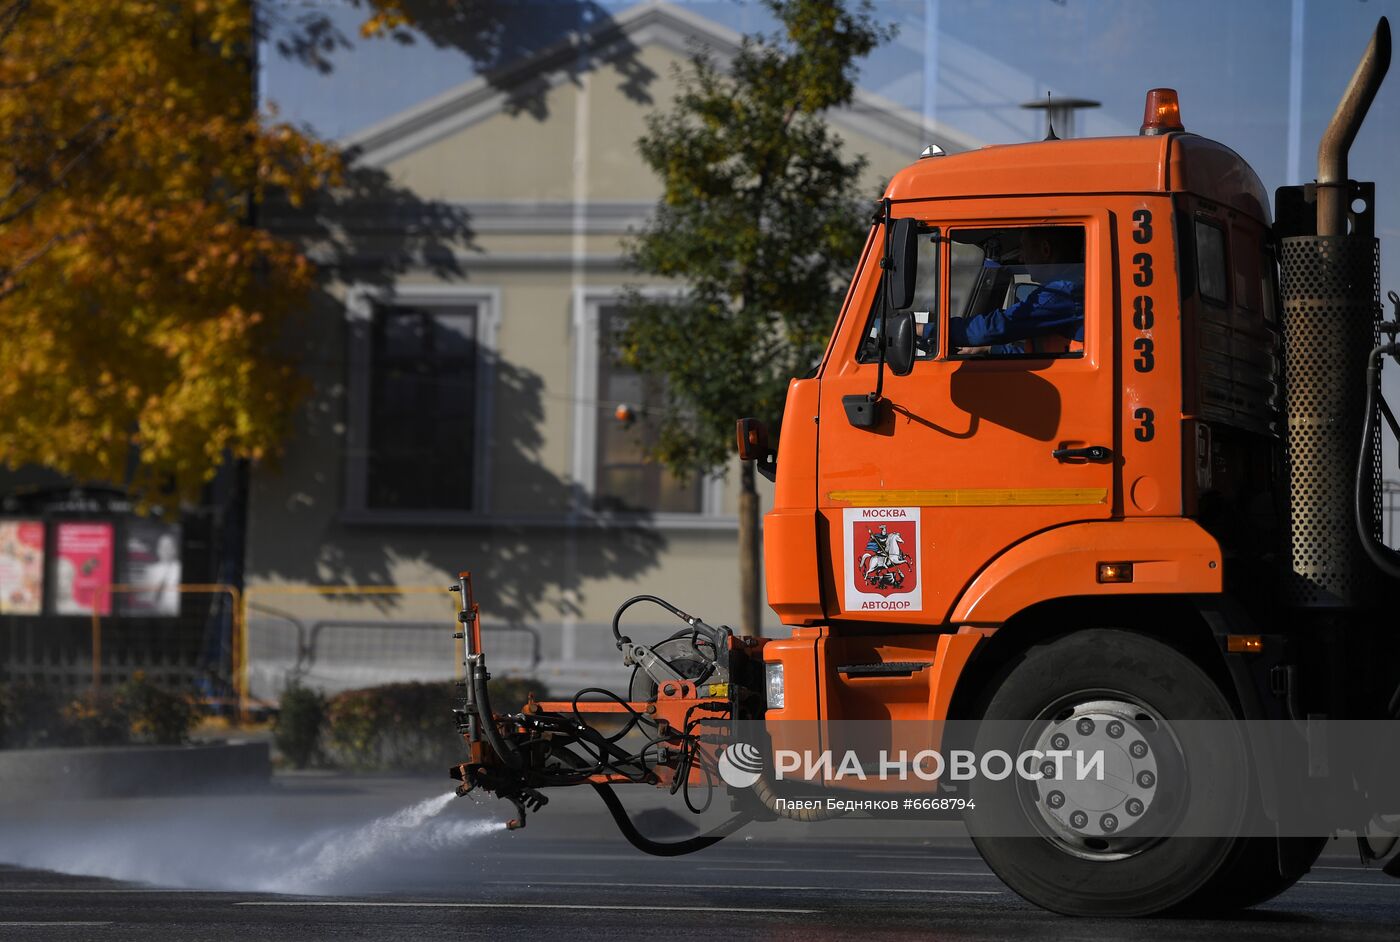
[{"x": 139, "y": 305}]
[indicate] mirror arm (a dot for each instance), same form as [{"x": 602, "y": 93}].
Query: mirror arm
[
  {"x": 863, "y": 411},
  {"x": 767, "y": 465},
  {"x": 886, "y": 263},
  {"x": 753, "y": 445}
]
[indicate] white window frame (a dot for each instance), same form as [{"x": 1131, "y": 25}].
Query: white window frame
[
  {"x": 587, "y": 302},
  {"x": 360, "y": 304}
]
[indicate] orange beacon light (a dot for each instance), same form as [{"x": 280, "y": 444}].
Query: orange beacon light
[{"x": 1162, "y": 112}]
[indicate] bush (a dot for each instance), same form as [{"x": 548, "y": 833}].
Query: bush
[
  {"x": 405, "y": 726},
  {"x": 35, "y": 716},
  {"x": 32, "y": 716},
  {"x": 154, "y": 714},
  {"x": 508, "y": 694},
  {"x": 297, "y": 732},
  {"x": 94, "y": 721},
  {"x": 395, "y": 726}
]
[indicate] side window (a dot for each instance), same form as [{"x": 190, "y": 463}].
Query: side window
[
  {"x": 1016, "y": 291},
  {"x": 1210, "y": 262},
  {"x": 925, "y": 304},
  {"x": 1244, "y": 269}
]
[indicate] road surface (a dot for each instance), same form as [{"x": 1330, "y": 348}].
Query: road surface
[{"x": 210, "y": 868}]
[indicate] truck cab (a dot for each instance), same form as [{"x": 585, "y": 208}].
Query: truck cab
[
  {"x": 1121, "y": 457},
  {"x": 994, "y": 513}
]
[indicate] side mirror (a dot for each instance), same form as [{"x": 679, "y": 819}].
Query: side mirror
[
  {"x": 902, "y": 264},
  {"x": 899, "y": 342},
  {"x": 753, "y": 446}
]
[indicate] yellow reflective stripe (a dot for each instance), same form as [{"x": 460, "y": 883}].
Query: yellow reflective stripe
[{"x": 976, "y": 497}]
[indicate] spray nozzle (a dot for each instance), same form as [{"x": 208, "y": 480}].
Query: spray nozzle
[{"x": 526, "y": 799}]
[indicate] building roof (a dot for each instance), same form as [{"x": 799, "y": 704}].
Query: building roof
[{"x": 659, "y": 22}]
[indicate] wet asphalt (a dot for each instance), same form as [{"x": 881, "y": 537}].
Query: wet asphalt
[{"x": 207, "y": 867}]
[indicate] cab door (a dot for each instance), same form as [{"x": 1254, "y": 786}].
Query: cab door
[{"x": 972, "y": 452}]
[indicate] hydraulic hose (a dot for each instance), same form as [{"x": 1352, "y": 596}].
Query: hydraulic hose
[
  {"x": 670, "y": 848},
  {"x": 622, "y": 639},
  {"x": 506, "y": 750},
  {"x": 763, "y": 791},
  {"x": 1385, "y": 558},
  {"x": 645, "y": 844}
]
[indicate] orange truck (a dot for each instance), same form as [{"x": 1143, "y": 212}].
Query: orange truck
[{"x": 1092, "y": 452}]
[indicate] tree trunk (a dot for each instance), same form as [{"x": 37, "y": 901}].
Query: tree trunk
[{"x": 750, "y": 556}]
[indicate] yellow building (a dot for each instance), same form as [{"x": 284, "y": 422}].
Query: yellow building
[{"x": 464, "y": 409}]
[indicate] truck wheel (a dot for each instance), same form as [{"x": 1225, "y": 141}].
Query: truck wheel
[
  {"x": 1164, "y": 818},
  {"x": 1252, "y": 874}
]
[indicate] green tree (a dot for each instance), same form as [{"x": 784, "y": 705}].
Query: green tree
[{"x": 761, "y": 220}]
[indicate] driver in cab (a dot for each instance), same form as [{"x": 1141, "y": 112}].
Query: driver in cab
[{"x": 1048, "y": 318}]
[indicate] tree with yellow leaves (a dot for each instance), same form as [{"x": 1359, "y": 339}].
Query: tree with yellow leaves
[{"x": 139, "y": 307}]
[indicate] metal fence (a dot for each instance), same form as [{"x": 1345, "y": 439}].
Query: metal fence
[
  {"x": 189, "y": 650},
  {"x": 240, "y": 650},
  {"x": 335, "y": 638}
]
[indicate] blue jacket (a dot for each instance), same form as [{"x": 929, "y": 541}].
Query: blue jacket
[{"x": 1056, "y": 307}]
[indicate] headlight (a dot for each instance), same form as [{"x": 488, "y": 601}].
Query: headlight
[{"x": 774, "y": 673}]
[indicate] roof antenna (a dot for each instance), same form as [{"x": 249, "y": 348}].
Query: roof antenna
[{"x": 1050, "y": 134}]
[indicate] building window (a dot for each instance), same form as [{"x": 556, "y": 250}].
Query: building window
[
  {"x": 627, "y": 411},
  {"x": 418, "y": 391},
  {"x": 422, "y": 408},
  {"x": 616, "y": 422}
]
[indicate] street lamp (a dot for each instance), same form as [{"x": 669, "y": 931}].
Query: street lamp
[{"x": 1059, "y": 114}]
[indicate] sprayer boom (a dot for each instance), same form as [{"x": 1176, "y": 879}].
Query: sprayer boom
[{"x": 666, "y": 733}]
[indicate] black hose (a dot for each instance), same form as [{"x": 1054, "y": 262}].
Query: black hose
[
  {"x": 622, "y": 639},
  {"x": 690, "y": 750},
  {"x": 1385, "y": 558},
  {"x": 634, "y": 718},
  {"x": 506, "y": 750},
  {"x": 763, "y": 790},
  {"x": 645, "y": 844},
  {"x": 669, "y": 849}
]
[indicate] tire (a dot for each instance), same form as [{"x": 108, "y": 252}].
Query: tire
[
  {"x": 1252, "y": 875},
  {"x": 1077, "y": 857}
]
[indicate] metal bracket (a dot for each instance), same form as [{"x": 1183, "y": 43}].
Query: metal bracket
[{"x": 651, "y": 663}]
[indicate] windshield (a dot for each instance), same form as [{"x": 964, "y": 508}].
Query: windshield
[{"x": 924, "y": 308}]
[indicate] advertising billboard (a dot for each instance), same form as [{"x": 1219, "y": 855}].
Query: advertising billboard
[
  {"x": 82, "y": 569},
  {"x": 21, "y": 567},
  {"x": 151, "y": 569}
]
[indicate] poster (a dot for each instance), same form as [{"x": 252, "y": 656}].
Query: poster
[
  {"x": 151, "y": 569},
  {"x": 82, "y": 569},
  {"x": 21, "y": 567}
]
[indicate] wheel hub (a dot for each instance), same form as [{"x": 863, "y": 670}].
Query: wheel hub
[{"x": 1087, "y": 801}]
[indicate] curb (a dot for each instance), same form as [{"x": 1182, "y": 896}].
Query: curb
[{"x": 132, "y": 771}]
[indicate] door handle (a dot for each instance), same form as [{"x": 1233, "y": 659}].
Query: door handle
[{"x": 1087, "y": 453}]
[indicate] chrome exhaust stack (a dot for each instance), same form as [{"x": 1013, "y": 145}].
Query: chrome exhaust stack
[{"x": 1329, "y": 281}]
